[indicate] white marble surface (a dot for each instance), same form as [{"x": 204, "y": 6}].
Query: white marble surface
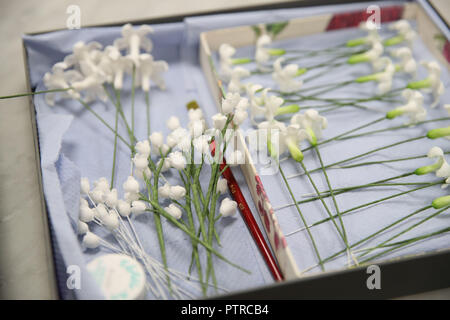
[{"x": 24, "y": 273}]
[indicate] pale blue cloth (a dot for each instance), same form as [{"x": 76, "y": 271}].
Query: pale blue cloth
[{"x": 74, "y": 143}]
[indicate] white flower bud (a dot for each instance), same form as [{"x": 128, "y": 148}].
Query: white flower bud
[
  {"x": 201, "y": 144},
  {"x": 165, "y": 166},
  {"x": 83, "y": 203},
  {"x": 222, "y": 186},
  {"x": 140, "y": 161},
  {"x": 164, "y": 191},
  {"x": 97, "y": 195},
  {"x": 177, "y": 160},
  {"x": 230, "y": 102},
  {"x": 177, "y": 193},
  {"x": 91, "y": 240},
  {"x": 239, "y": 117},
  {"x": 164, "y": 148},
  {"x": 157, "y": 140},
  {"x": 143, "y": 148},
  {"x": 82, "y": 227},
  {"x": 219, "y": 121},
  {"x": 197, "y": 128},
  {"x": 228, "y": 207},
  {"x": 124, "y": 208},
  {"x": 102, "y": 184},
  {"x": 138, "y": 207},
  {"x": 131, "y": 185},
  {"x": 111, "y": 198},
  {"x": 84, "y": 186},
  {"x": 140, "y": 173},
  {"x": 111, "y": 221},
  {"x": 86, "y": 214},
  {"x": 173, "y": 123},
  {"x": 131, "y": 196},
  {"x": 195, "y": 114},
  {"x": 174, "y": 211},
  {"x": 100, "y": 211}
]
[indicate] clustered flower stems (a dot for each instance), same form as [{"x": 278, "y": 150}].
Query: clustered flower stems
[
  {"x": 382, "y": 244},
  {"x": 362, "y": 155},
  {"x": 378, "y": 232},
  {"x": 375, "y": 201},
  {"x": 305, "y": 223},
  {"x": 342, "y": 233}
]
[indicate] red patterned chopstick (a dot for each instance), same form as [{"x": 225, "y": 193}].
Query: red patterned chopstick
[{"x": 249, "y": 218}]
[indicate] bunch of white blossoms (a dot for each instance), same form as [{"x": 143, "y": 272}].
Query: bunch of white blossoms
[
  {"x": 285, "y": 76},
  {"x": 414, "y": 108},
  {"x": 85, "y": 72}
]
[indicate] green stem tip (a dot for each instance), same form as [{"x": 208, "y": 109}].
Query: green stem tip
[
  {"x": 441, "y": 202},
  {"x": 438, "y": 133}
]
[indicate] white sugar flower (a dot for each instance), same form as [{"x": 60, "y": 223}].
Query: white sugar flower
[
  {"x": 157, "y": 140},
  {"x": 92, "y": 87},
  {"x": 111, "y": 198},
  {"x": 111, "y": 221},
  {"x": 285, "y": 76},
  {"x": 370, "y": 55},
  {"x": 312, "y": 123},
  {"x": 85, "y": 58},
  {"x": 82, "y": 227},
  {"x": 138, "y": 207},
  {"x": 131, "y": 185},
  {"x": 228, "y": 207},
  {"x": 176, "y": 136},
  {"x": 150, "y": 69},
  {"x": 239, "y": 116},
  {"x": 440, "y": 167},
  {"x": 100, "y": 211},
  {"x": 131, "y": 196},
  {"x": 196, "y": 128},
  {"x": 86, "y": 214},
  {"x": 174, "y": 211},
  {"x": 413, "y": 108},
  {"x": 404, "y": 33},
  {"x": 384, "y": 78},
  {"x": 432, "y": 82},
  {"x": 96, "y": 195},
  {"x": 177, "y": 192},
  {"x": 219, "y": 121},
  {"x": 143, "y": 148},
  {"x": 164, "y": 191},
  {"x": 237, "y": 74},
  {"x": 165, "y": 166},
  {"x": 271, "y": 105},
  {"x": 256, "y": 103},
  {"x": 226, "y": 52},
  {"x": 177, "y": 160},
  {"x": 118, "y": 65},
  {"x": 173, "y": 123},
  {"x": 140, "y": 162},
  {"x": 291, "y": 139},
  {"x": 407, "y": 62},
  {"x": 124, "y": 208},
  {"x": 84, "y": 185},
  {"x": 195, "y": 114},
  {"x": 60, "y": 79},
  {"x": 142, "y": 173},
  {"x": 201, "y": 144},
  {"x": 91, "y": 240},
  {"x": 262, "y": 53},
  {"x": 133, "y": 40},
  {"x": 231, "y": 101},
  {"x": 222, "y": 186}
]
